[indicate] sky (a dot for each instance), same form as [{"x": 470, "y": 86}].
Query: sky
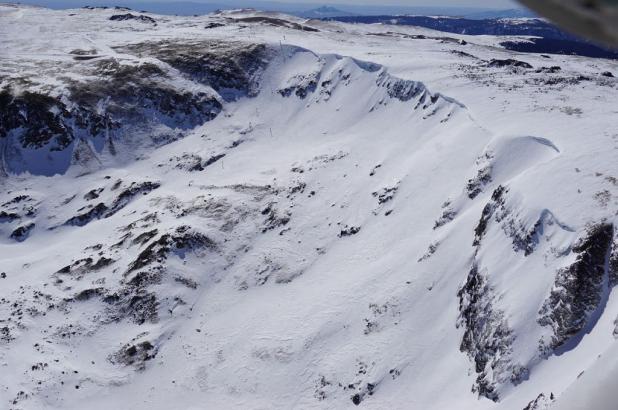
[
  {"x": 421, "y": 3},
  {"x": 493, "y": 4},
  {"x": 363, "y": 7}
]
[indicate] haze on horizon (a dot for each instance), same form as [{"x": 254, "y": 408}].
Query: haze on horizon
[
  {"x": 497, "y": 4},
  {"x": 415, "y": 3}
]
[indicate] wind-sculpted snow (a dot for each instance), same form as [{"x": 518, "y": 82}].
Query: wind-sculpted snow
[{"x": 234, "y": 211}]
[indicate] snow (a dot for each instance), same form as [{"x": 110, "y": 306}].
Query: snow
[{"x": 299, "y": 314}]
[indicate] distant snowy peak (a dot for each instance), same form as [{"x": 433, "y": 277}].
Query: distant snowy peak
[{"x": 325, "y": 12}]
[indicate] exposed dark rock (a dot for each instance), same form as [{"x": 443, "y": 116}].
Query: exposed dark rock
[
  {"x": 190, "y": 283},
  {"x": 277, "y": 23},
  {"x": 385, "y": 194},
  {"x": 88, "y": 294},
  {"x": 527, "y": 242},
  {"x": 143, "y": 223},
  {"x": 404, "y": 90},
  {"x": 134, "y": 91},
  {"x": 497, "y": 202},
  {"x": 487, "y": 337},
  {"x": 275, "y": 219},
  {"x": 379, "y": 313},
  {"x": 509, "y": 62},
  {"x": 476, "y": 185},
  {"x": 139, "y": 305},
  {"x": 145, "y": 237},
  {"x": 135, "y": 355},
  {"x": 349, "y": 231},
  {"x": 463, "y": 54},
  {"x": 304, "y": 85},
  {"x": 93, "y": 194},
  {"x": 607, "y": 74},
  {"x": 85, "y": 265},
  {"x": 431, "y": 250},
  {"x": 18, "y": 199},
  {"x": 41, "y": 119},
  {"x": 146, "y": 278},
  {"x": 83, "y": 53},
  {"x": 21, "y": 234},
  {"x": 212, "y": 160},
  {"x": 8, "y": 216},
  {"x": 83, "y": 219},
  {"x": 130, "y": 16},
  {"x": 366, "y": 390},
  {"x": 375, "y": 170},
  {"x": 126, "y": 196},
  {"x": 526, "y": 239},
  {"x": 108, "y": 103},
  {"x": 231, "y": 68},
  {"x": 613, "y": 261},
  {"x": 447, "y": 216},
  {"x": 321, "y": 387},
  {"x": 540, "y": 403},
  {"x": 578, "y": 290},
  {"x": 402, "y": 35},
  {"x": 549, "y": 70},
  {"x": 182, "y": 239},
  {"x": 213, "y": 25},
  {"x": 298, "y": 187},
  {"x": 188, "y": 162},
  {"x": 558, "y": 80},
  {"x": 5, "y": 334},
  {"x": 101, "y": 210}
]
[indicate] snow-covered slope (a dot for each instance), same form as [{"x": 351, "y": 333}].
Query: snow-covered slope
[{"x": 249, "y": 210}]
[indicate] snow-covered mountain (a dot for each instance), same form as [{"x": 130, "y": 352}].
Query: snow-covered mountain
[{"x": 251, "y": 210}]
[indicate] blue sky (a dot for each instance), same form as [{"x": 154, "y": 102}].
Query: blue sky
[
  {"x": 189, "y": 7},
  {"x": 422, "y": 3},
  {"x": 494, "y": 4}
]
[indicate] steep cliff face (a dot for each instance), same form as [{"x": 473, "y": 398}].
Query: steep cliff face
[
  {"x": 487, "y": 339},
  {"x": 106, "y": 101},
  {"x": 229, "y": 67},
  {"x": 580, "y": 288},
  {"x": 613, "y": 261}
]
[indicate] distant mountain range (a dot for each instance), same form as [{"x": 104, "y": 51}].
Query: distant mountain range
[
  {"x": 325, "y": 12},
  {"x": 548, "y": 37},
  {"x": 299, "y": 9},
  {"x": 499, "y": 14},
  {"x": 473, "y": 14},
  {"x": 487, "y": 26}
]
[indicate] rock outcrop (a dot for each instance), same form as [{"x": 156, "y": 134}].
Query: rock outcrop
[{"x": 579, "y": 288}]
